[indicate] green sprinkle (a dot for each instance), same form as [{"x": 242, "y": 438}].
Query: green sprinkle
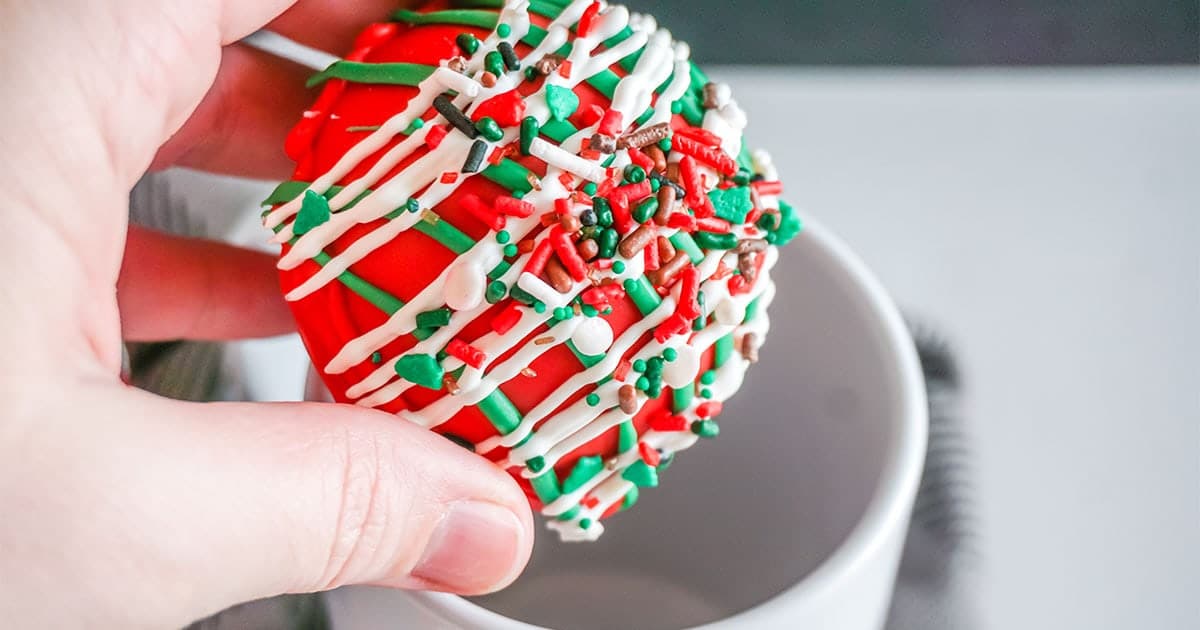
[
  {"x": 467, "y": 42},
  {"x": 562, "y": 101},
  {"x": 635, "y": 174},
  {"x": 499, "y": 270},
  {"x": 411, "y": 74},
  {"x": 645, "y": 210},
  {"x": 742, "y": 177},
  {"x": 510, "y": 250},
  {"x": 536, "y": 464},
  {"x": 421, "y": 369},
  {"x": 433, "y": 319},
  {"x": 413, "y": 126},
  {"x": 539, "y": 308},
  {"x": 503, "y": 237},
  {"x": 585, "y": 468},
  {"x": 590, "y": 188},
  {"x": 521, "y": 295},
  {"x": 722, "y": 350},
  {"x": 676, "y": 107},
  {"x": 496, "y": 290},
  {"x": 670, "y": 354},
  {"x": 412, "y": 205},
  {"x": 706, "y": 428},
  {"x": 618, "y": 266},
  {"x": 546, "y": 487},
  {"x": 706, "y": 393},
  {"x": 604, "y": 215},
  {"x": 377, "y": 357},
  {"x": 627, "y": 437},
  {"x": 681, "y": 398},
  {"x": 494, "y": 63},
  {"x": 481, "y": 18},
  {"x": 639, "y": 365},
  {"x": 504, "y": 30},
  {"x": 642, "y": 383},
  {"x": 642, "y": 294},
  {"x": 510, "y": 175},
  {"x": 489, "y": 129},
  {"x": 641, "y": 474},
  {"x": 709, "y": 377},
  {"x": 608, "y": 242},
  {"x": 683, "y": 241},
  {"x": 500, "y": 411},
  {"x": 699, "y": 323},
  {"x": 569, "y": 514},
  {"x": 715, "y": 240},
  {"x": 665, "y": 143},
  {"x": 732, "y": 204},
  {"x": 590, "y": 310},
  {"x": 529, "y": 131},
  {"x": 593, "y": 400},
  {"x": 655, "y": 184},
  {"x": 313, "y": 212},
  {"x": 585, "y": 523}
]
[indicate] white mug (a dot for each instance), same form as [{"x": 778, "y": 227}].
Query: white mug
[{"x": 793, "y": 518}]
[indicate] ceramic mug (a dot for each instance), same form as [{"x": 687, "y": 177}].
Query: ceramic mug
[{"x": 793, "y": 518}]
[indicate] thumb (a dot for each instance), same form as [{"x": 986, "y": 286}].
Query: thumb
[{"x": 298, "y": 497}]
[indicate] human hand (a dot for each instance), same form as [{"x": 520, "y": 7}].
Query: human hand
[{"x": 122, "y": 509}]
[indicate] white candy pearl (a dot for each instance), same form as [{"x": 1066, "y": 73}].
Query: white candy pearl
[
  {"x": 682, "y": 371},
  {"x": 729, "y": 313},
  {"x": 465, "y": 284},
  {"x": 593, "y": 336}
]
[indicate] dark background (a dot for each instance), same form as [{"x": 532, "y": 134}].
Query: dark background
[{"x": 935, "y": 32}]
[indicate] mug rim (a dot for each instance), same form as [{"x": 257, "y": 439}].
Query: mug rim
[{"x": 890, "y": 504}]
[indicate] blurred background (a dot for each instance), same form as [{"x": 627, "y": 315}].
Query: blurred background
[{"x": 1025, "y": 179}]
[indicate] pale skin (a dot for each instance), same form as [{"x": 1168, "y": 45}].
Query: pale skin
[{"x": 121, "y": 509}]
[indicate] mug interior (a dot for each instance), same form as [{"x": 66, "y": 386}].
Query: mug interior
[{"x": 740, "y": 519}]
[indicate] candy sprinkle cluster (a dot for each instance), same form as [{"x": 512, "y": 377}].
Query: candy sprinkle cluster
[{"x": 647, "y": 202}]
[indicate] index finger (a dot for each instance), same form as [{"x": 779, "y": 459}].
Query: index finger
[{"x": 332, "y": 25}]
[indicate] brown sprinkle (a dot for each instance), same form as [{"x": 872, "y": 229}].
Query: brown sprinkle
[
  {"x": 746, "y": 266},
  {"x": 627, "y": 399},
  {"x": 549, "y": 63},
  {"x": 559, "y": 278},
  {"x": 751, "y": 245},
  {"x": 603, "y": 143},
  {"x": 570, "y": 223},
  {"x": 541, "y": 341},
  {"x": 643, "y": 137},
  {"x": 457, "y": 64},
  {"x": 672, "y": 173},
  {"x": 666, "y": 204},
  {"x": 657, "y": 156},
  {"x": 666, "y": 251},
  {"x": 750, "y": 347},
  {"x": 710, "y": 96},
  {"x": 663, "y": 276},
  {"x": 636, "y": 241},
  {"x": 534, "y": 181},
  {"x": 588, "y": 249},
  {"x": 525, "y": 246},
  {"x": 488, "y": 79}
]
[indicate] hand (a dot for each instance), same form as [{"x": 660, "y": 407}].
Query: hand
[{"x": 121, "y": 509}]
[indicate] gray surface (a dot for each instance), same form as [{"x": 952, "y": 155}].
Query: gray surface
[{"x": 1049, "y": 223}]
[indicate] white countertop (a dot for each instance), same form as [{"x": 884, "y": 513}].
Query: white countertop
[{"x": 1048, "y": 223}]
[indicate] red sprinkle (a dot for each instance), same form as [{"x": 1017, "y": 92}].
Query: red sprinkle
[
  {"x": 689, "y": 282},
  {"x": 465, "y": 352},
  {"x": 590, "y": 502},
  {"x": 676, "y": 324},
  {"x": 595, "y": 296},
  {"x": 632, "y": 192},
  {"x": 691, "y": 181},
  {"x": 754, "y": 215},
  {"x": 679, "y": 220},
  {"x": 668, "y": 422},
  {"x": 449, "y": 177},
  {"x": 588, "y": 117},
  {"x": 612, "y": 123},
  {"x": 767, "y": 188},
  {"x": 587, "y": 19},
  {"x": 649, "y": 454},
  {"x": 641, "y": 159},
  {"x": 709, "y": 409},
  {"x": 622, "y": 370},
  {"x": 702, "y": 136},
  {"x": 507, "y": 318},
  {"x": 507, "y": 109},
  {"x": 566, "y": 178},
  {"x": 614, "y": 291},
  {"x": 622, "y": 216},
  {"x": 605, "y": 187},
  {"x": 564, "y": 70},
  {"x": 713, "y": 224},
  {"x": 481, "y": 211},
  {"x": 590, "y": 154},
  {"x": 568, "y": 253},
  {"x": 581, "y": 197},
  {"x": 434, "y": 137},
  {"x": 562, "y": 206},
  {"x": 650, "y": 254},
  {"x": 538, "y": 259},
  {"x": 514, "y": 207},
  {"x": 712, "y": 156},
  {"x": 737, "y": 285},
  {"x": 497, "y": 155}
]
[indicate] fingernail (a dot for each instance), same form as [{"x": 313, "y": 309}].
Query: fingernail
[{"x": 473, "y": 549}]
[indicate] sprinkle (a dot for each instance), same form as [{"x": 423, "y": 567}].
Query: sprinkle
[
  {"x": 587, "y": 19},
  {"x": 634, "y": 173},
  {"x": 657, "y": 157},
  {"x": 588, "y": 249},
  {"x": 466, "y": 353},
  {"x": 750, "y": 347},
  {"x": 608, "y": 243},
  {"x": 542, "y": 341},
  {"x": 668, "y": 422},
  {"x": 603, "y": 143},
  {"x": 765, "y": 188},
  {"x": 627, "y": 399},
  {"x": 493, "y": 62},
  {"x": 593, "y": 399},
  {"x": 640, "y": 160},
  {"x": 645, "y": 136},
  {"x": 514, "y": 207},
  {"x": 433, "y": 319},
  {"x": 689, "y": 282},
  {"x": 496, "y": 290},
  {"x": 562, "y": 101},
  {"x": 711, "y": 100},
  {"x": 666, "y": 204},
  {"x": 618, "y": 267},
  {"x": 435, "y": 135},
  {"x": 645, "y": 210},
  {"x": 560, "y": 279},
  {"x": 637, "y": 241},
  {"x": 503, "y": 237},
  {"x": 732, "y": 204},
  {"x": 687, "y": 244},
  {"x": 701, "y": 135},
  {"x": 489, "y": 128},
  {"x": 676, "y": 324},
  {"x": 475, "y": 157},
  {"x": 503, "y": 30},
  {"x": 376, "y": 357},
  {"x": 529, "y": 131},
  {"x": 691, "y": 182},
  {"x": 467, "y": 42},
  {"x": 451, "y": 384},
  {"x": 650, "y": 257},
  {"x": 706, "y": 428},
  {"x": 314, "y": 211},
  {"x": 488, "y": 79},
  {"x": 509, "y": 56},
  {"x": 642, "y": 293},
  {"x": 455, "y": 116},
  {"x": 510, "y": 250},
  {"x": 649, "y": 454},
  {"x": 504, "y": 322},
  {"x": 747, "y": 266},
  {"x": 569, "y": 162},
  {"x": 622, "y": 370},
  {"x": 549, "y": 63},
  {"x": 449, "y": 177},
  {"x": 712, "y": 156},
  {"x": 666, "y": 274},
  {"x": 713, "y": 240},
  {"x": 421, "y": 369},
  {"x": 666, "y": 251},
  {"x": 611, "y": 123},
  {"x": 639, "y": 365},
  {"x": 570, "y": 223},
  {"x": 413, "y": 126},
  {"x": 592, "y": 115},
  {"x": 480, "y": 210},
  {"x": 713, "y": 224},
  {"x": 751, "y": 246},
  {"x": 708, "y": 378}
]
